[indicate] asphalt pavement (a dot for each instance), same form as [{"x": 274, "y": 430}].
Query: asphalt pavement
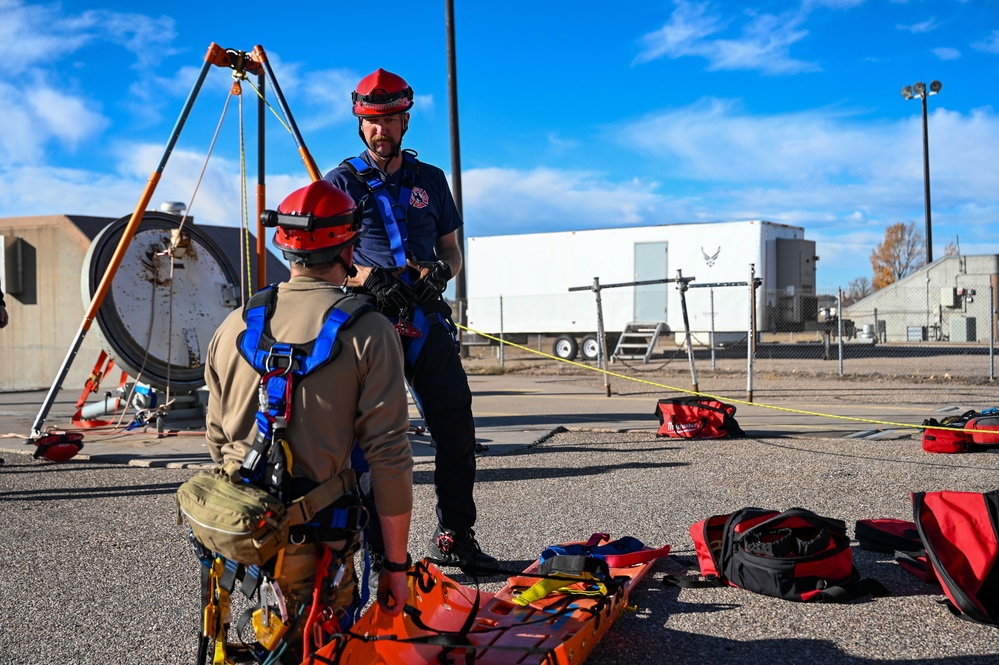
[{"x": 94, "y": 568}]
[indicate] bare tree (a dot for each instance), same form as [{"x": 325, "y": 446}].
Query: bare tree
[
  {"x": 902, "y": 252},
  {"x": 953, "y": 248},
  {"x": 858, "y": 288}
]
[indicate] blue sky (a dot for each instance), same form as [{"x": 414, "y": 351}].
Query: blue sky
[{"x": 573, "y": 115}]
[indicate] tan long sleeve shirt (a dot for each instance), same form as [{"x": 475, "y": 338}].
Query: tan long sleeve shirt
[{"x": 358, "y": 396}]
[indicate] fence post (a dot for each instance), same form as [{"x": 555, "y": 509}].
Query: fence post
[
  {"x": 839, "y": 322},
  {"x": 711, "y": 292},
  {"x": 751, "y": 334},
  {"x": 601, "y": 345},
  {"x": 992, "y": 333},
  {"x": 502, "y": 346},
  {"x": 682, "y": 286}
]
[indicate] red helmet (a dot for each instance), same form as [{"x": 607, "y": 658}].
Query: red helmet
[
  {"x": 58, "y": 446},
  {"x": 382, "y": 93},
  {"x": 314, "y": 223}
]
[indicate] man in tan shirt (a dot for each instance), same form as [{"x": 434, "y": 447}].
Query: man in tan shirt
[{"x": 355, "y": 397}]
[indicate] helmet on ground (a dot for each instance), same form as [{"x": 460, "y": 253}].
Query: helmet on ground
[
  {"x": 58, "y": 446},
  {"x": 382, "y": 93},
  {"x": 314, "y": 223}
]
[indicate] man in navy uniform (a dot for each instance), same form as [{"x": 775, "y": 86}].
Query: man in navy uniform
[{"x": 407, "y": 253}]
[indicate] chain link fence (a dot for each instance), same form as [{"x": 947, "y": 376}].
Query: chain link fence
[{"x": 939, "y": 322}]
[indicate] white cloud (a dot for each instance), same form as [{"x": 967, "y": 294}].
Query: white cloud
[
  {"x": 65, "y": 117},
  {"x": 35, "y": 115},
  {"x": 945, "y": 53},
  {"x": 32, "y": 34},
  {"x": 688, "y": 24},
  {"x": 928, "y": 25},
  {"x": 714, "y": 140},
  {"x": 764, "y": 44},
  {"x": 325, "y": 97},
  {"x": 39, "y": 35},
  {"x": 988, "y": 45},
  {"x": 500, "y": 201}
]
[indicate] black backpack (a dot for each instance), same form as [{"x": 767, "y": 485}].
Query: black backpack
[{"x": 795, "y": 555}]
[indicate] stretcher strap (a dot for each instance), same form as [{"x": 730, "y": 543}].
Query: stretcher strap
[{"x": 620, "y": 553}]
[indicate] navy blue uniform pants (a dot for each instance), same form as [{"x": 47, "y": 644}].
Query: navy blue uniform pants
[{"x": 440, "y": 384}]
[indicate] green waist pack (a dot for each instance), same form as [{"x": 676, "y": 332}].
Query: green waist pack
[{"x": 245, "y": 523}]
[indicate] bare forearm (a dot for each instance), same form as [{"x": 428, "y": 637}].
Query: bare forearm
[
  {"x": 452, "y": 257},
  {"x": 395, "y": 531}
]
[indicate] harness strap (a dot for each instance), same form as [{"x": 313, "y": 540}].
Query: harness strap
[
  {"x": 303, "y": 509},
  {"x": 415, "y": 345},
  {"x": 215, "y": 613},
  {"x": 258, "y": 347},
  {"x": 92, "y": 385},
  {"x": 393, "y": 213}
]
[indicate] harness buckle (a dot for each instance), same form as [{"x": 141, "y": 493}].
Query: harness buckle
[{"x": 275, "y": 355}]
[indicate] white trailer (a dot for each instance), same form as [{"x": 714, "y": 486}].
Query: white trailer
[{"x": 518, "y": 285}]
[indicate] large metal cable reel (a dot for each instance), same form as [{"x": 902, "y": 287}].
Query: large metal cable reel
[{"x": 135, "y": 324}]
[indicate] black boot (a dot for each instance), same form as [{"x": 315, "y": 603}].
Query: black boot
[{"x": 459, "y": 548}]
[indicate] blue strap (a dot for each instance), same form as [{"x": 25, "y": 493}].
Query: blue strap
[
  {"x": 322, "y": 346},
  {"x": 415, "y": 345},
  {"x": 625, "y": 545},
  {"x": 256, "y": 319},
  {"x": 393, "y": 213}
]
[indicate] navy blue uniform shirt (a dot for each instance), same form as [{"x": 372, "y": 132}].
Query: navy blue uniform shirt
[{"x": 430, "y": 215}]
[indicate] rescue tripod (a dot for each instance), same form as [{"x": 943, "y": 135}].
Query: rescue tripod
[{"x": 242, "y": 64}]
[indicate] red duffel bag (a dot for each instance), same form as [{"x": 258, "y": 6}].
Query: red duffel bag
[{"x": 697, "y": 418}]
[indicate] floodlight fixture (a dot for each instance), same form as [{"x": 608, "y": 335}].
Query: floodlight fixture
[
  {"x": 935, "y": 87},
  {"x": 919, "y": 88},
  {"x": 907, "y": 92}
]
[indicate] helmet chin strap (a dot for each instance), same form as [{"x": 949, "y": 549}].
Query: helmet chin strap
[{"x": 349, "y": 268}]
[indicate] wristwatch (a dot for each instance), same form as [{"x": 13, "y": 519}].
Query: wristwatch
[{"x": 394, "y": 567}]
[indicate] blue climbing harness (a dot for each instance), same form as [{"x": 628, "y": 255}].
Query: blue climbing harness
[{"x": 393, "y": 216}]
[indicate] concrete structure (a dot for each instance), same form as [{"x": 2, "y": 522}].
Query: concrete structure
[
  {"x": 41, "y": 268},
  {"x": 947, "y": 300}
]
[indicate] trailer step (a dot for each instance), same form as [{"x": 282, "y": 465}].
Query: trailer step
[{"x": 638, "y": 341}]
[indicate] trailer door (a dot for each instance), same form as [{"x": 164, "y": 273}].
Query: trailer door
[{"x": 650, "y": 300}]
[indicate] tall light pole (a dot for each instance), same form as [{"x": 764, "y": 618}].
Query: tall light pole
[
  {"x": 919, "y": 91},
  {"x": 460, "y": 294}
]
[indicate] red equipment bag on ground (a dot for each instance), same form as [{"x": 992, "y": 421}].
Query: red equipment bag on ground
[
  {"x": 697, "y": 418},
  {"x": 960, "y": 531},
  {"x": 795, "y": 555},
  {"x": 898, "y": 537},
  {"x": 945, "y": 440},
  {"x": 969, "y": 432},
  {"x": 984, "y": 428}
]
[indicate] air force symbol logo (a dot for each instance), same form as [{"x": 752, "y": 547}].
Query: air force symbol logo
[
  {"x": 419, "y": 198},
  {"x": 710, "y": 259}
]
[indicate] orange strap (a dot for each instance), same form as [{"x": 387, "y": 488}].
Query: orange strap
[{"x": 92, "y": 385}]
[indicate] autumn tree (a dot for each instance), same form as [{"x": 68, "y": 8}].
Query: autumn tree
[
  {"x": 858, "y": 288},
  {"x": 901, "y": 253},
  {"x": 953, "y": 248}
]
